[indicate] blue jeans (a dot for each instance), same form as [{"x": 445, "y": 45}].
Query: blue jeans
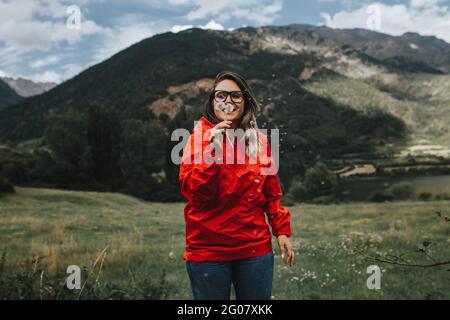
[{"x": 251, "y": 278}]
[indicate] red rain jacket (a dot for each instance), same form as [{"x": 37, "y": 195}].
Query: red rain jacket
[{"x": 226, "y": 202}]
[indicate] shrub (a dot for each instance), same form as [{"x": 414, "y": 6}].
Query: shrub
[
  {"x": 297, "y": 191},
  {"x": 380, "y": 196},
  {"x": 401, "y": 191},
  {"x": 443, "y": 196},
  {"x": 14, "y": 165},
  {"x": 320, "y": 181},
  {"x": 6, "y": 186},
  {"x": 425, "y": 196}
]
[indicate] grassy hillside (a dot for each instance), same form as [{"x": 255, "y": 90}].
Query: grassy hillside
[
  {"x": 138, "y": 247},
  {"x": 421, "y": 101}
]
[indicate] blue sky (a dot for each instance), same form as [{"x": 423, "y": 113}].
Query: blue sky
[{"x": 40, "y": 39}]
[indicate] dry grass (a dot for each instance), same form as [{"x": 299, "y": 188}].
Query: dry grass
[{"x": 62, "y": 228}]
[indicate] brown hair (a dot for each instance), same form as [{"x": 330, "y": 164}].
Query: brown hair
[{"x": 251, "y": 106}]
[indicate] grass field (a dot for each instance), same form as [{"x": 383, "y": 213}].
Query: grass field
[{"x": 42, "y": 231}]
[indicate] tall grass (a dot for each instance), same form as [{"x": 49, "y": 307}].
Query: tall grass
[{"x": 131, "y": 249}]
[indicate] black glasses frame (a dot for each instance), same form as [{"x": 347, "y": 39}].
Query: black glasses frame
[{"x": 229, "y": 94}]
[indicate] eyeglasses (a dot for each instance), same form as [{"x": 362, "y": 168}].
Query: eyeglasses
[{"x": 222, "y": 95}]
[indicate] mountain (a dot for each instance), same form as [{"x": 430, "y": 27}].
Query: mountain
[
  {"x": 425, "y": 51},
  {"x": 406, "y": 76},
  {"x": 28, "y": 88},
  {"x": 341, "y": 91},
  {"x": 7, "y": 95}
]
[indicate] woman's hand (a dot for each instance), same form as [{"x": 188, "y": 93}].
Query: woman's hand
[
  {"x": 216, "y": 133},
  {"x": 285, "y": 245}
]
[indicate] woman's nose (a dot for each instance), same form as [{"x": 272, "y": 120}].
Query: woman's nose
[{"x": 228, "y": 99}]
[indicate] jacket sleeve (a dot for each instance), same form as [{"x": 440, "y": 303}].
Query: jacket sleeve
[
  {"x": 198, "y": 178},
  {"x": 278, "y": 216}
]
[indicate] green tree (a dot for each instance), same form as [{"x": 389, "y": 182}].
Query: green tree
[
  {"x": 320, "y": 181},
  {"x": 103, "y": 137},
  {"x": 297, "y": 190},
  {"x": 66, "y": 137},
  {"x": 142, "y": 154},
  {"x": 5, "y": 186}
]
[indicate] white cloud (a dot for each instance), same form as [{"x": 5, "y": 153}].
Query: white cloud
[
  {"x": 423, "y": 3},
  {"x": 212, "y": 25},
  {"x": 262, "y": 15},
  {"x": 71, "y": 70},
  {"x": 128, "y": 29},
  {"x": 348, "y": 4},
  {"x": 427, "y": 17},
  {"x": 177, "y": 28},
  {"x": 61, "y": 74},
  {"x": 47, "y": 76},
  {"x": 8, "y": 57},
  {"x": 256, "y": 11},
  {"x": 31, "y": 28},
  {"x": 27, "y": 25},
  {"x": 35, "y": 41},
  {"x": 4, "y": 74},
  {"x": 45, "y": 62}
]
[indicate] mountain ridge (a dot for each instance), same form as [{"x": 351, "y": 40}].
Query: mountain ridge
[
  {"x": 136, "y": 81},
  {"x": 27, "y": 88}
]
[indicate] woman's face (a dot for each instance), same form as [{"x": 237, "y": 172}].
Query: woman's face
[{"x": 229, "y": 85}]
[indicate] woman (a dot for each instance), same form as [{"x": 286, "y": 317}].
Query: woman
[{"x": 227, "y": 238}]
